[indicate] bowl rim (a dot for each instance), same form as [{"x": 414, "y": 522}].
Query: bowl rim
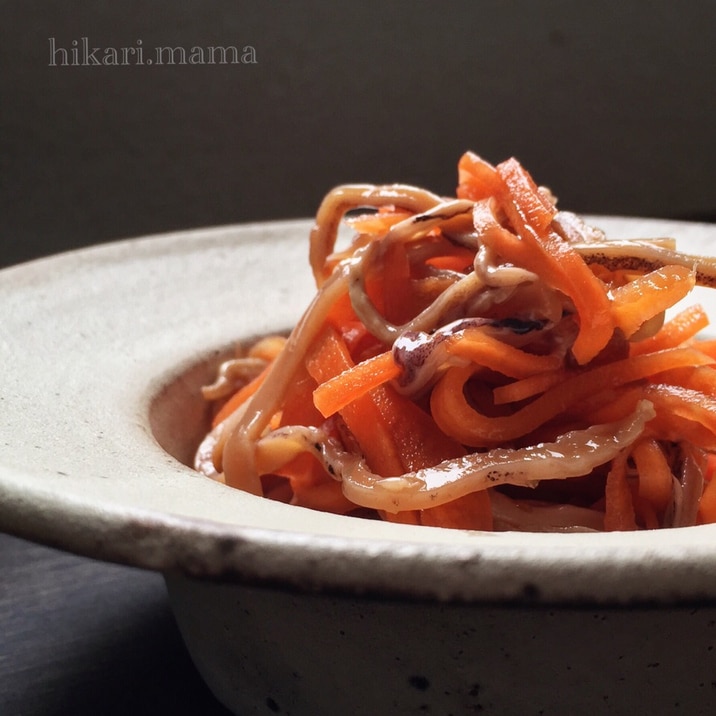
[{"x": 153, "y": 512}]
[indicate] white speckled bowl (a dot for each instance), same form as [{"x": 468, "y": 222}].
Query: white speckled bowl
[{"x": 296, "y": 612}]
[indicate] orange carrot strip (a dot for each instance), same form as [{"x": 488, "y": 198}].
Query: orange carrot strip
[
  {"x": 688, "y": 403},
  {"x": 707, "y": 346},
  {"x": 298, "y": 407},
  {"x": 643, "y": 298},
  {"x": 341, "y": 312},
  {"x": 337, "y": 392},
  {"x": 354, "y": 382},
  {"x": 394, "y": 433},
  {"x": 460, "y": 260},
  {"x": 547, "y": 254},
  {"x": 680, "y": 328},
  {"x": 619, "y": 506},
  {"x": 683, "y": 414},
  {"x": 378, "y": 223},
  {"x": 458, "y": 418},
  {"x": 701, "y": 378},
  {"x": 477, "y": 179},
  {"x": 528, "y": 387},
  {"x": 617, "y": 406},
  {"x": 396, "y": 286},
  {"x": 535, "y": 210},
  {"x": 484, "y": 350},
  {"x": 419, "y": 441},
  {"x": 655, "y": 478},
  {"x": 328, "y": 358},
  {"x": 470, "y": 512},
  {"x": 312, "y": 487},
  {"x": 239, "y": 397}
]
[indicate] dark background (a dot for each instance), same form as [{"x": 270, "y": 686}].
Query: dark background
[{"x": 611, "y": 104}]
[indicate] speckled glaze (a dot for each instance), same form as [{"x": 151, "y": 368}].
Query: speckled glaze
[
  {"x": 270, "y": 651},
  {"x": 290, "y": 611}
]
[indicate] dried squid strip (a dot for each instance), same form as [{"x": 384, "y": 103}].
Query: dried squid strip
[
  {"x": 234, "y": 453},
  {"x": 691, "y": 485},
  {"x": 458, "y": 294},
  {"x": 645, "y": 256},
  {"x": 497, "y": 274},
  {"x": 537, "y": 516},
  {"x": 418, "y": 226},
  {"x": 232, "y": 374},
  {"x": 572, "y": 454},
  {"x": 353, "y": 196},
  {"x": 572, "y": 228}
]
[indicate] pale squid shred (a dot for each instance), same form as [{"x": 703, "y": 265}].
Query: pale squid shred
[{"x": 481, "y": 311}]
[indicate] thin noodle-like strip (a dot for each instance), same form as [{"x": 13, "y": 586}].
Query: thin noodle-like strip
[
  {"x": 572, "y": 454},
  {"x": 644, "y": 256},
  {"x": 237, "y": 458},
  {"x": 352, "y": 196}
]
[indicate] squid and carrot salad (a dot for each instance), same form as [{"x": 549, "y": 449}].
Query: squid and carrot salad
[{"x": 485, "y": 361}]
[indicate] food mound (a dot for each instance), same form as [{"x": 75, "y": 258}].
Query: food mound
[{"x": 482, "y": 362}]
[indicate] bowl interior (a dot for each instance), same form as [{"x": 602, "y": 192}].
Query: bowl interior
[{"x": 179, "y": 417}]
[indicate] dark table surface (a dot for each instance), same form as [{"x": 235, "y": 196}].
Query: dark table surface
[{"x": 80, "y": 637}]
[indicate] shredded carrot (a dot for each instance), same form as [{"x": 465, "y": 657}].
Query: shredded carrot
[
  {"x": 533, "y": 208},
  {"x": 485, "y": 350},
  {"x": 379, "y": 222},
  {"x": 708, "y": 347},
  {"x": 328, "y": 358},
  {"x": 683, "y": 414},
  {"x": 528, "y": 387},
  {"x": 458, "y": 418},
  {"x": 655, "y": 478},
  {"x": 397, "y": 292},
  {"x": 555, "y": 261},
  {"x": 312, "y": 487},
  {"x": 701, "y": 378},
  {"x": 679, "y": 329},
  {"x": 334, "y": 394},
  {"x": 459, "y": 259},
  {"x": 470, "y": 512},
  {"x": 477, "y": 179},
  {"x": 337, "y": 392},
  {"x": 393, "y": 432},
  {"x": 511, "y": 334},
  {"x": 646, "y": 296},
  {"x": 298, "y": 409},
  {"x": 414, "y": 431},
  {"x": 616, "y": 405},
  {"x": 619, "y": 506}
]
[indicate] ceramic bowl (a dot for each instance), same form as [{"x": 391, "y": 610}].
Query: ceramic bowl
[{"x": 291, "y": 611}]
